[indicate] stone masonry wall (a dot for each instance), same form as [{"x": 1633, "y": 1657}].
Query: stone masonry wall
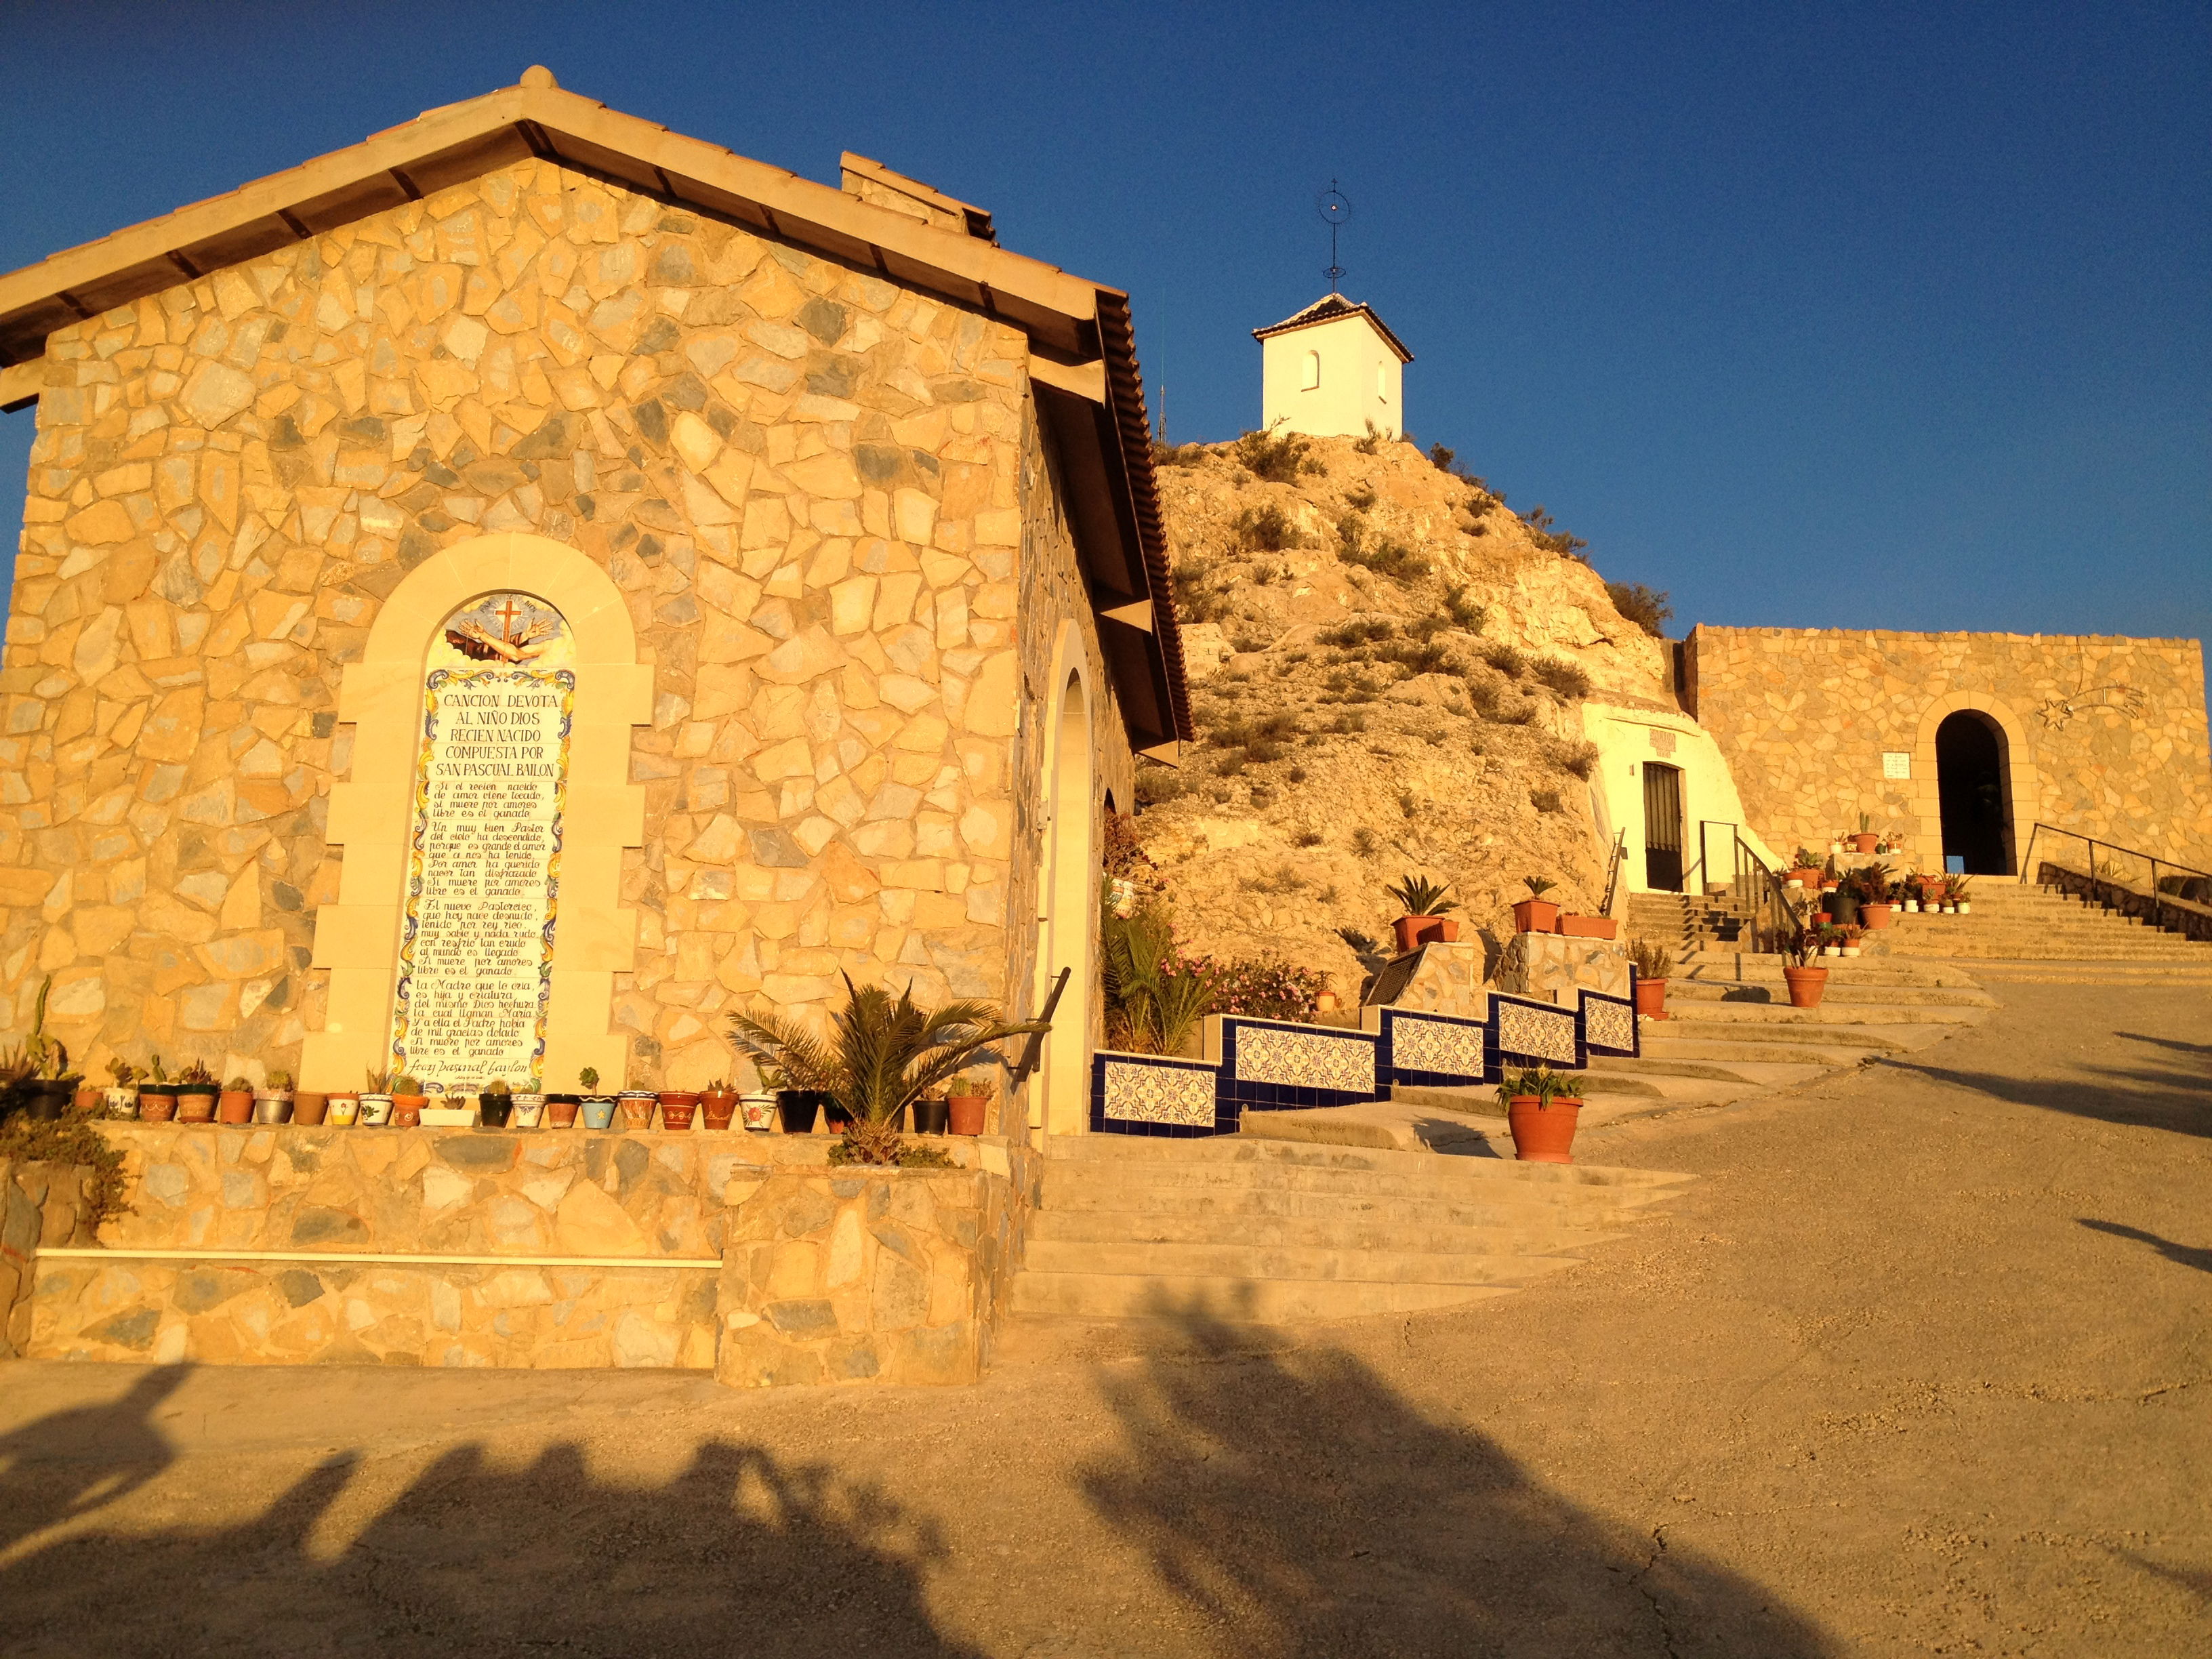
[
  {"x": 1804, "y": 716},
  {"x": 546, "y": 1250},
  {"x": 40, "y": 1206},
  {"x": 808, "y": 482}
]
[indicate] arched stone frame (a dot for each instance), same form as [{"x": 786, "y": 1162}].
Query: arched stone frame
[
  {"x": 357, "y": 937},
  {"x": 2023, "y": 786},
  {"x": 1068, "y": 890}
]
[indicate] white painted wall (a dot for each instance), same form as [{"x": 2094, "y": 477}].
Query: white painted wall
[
  {"x": 1626, "y": 740},
  {"x": 1361, "y": 381}
]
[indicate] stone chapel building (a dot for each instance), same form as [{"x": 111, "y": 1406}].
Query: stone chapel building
[{"x": 536, "y": 581}]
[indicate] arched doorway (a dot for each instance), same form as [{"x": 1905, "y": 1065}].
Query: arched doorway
[
  {"x": 1970, "y": 787},
  {"x": 1069, "y": 888}
]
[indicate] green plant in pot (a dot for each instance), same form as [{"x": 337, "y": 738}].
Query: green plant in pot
[
  {"x": 1653, "y": 963},
  {"x": 195, "y": 1094},
  {"x": 121, "y": 1094},
  {"x": 598, "y": 1110},
  {"x": 1155, "y": 995},
  {"x": 881, "y": 1055},
  {"x": 235, "y": 1104},
  {"x": 376, "y": 1097},
  {"x": 496, "y": 1103},
  {"x": 157, "y": 1095},
  {"x": 1536, "y": 913},
  {"x": 718, "y": 1105},
  {"x": 1541, "y": 1109},
  {"x": 1424, "y": 905},
  {"x": 1800, "y": 966},
  {"x": 408, "y": 1101}
]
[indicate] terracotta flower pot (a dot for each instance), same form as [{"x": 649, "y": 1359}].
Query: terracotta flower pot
[
  {"x": 157, "y": 1105},
  {"x": 637, "y": 1106},
  {"x": 89, "y": 1101},
  {"x": 309, "y": 1109},
  {"x": 677, "y": 1106},
  {"x": 561, "y": 1110},
  {"x": 1807, "y": 873},
  {"x": 234, "y": 1106},
  {"x": 718, "y": 1107},
  {"x": 199, "y": 1106},
  {"x": 1651, "y": 998},
  {"x": 1543, "y": 1134},
  {"x": 1589, "y": 927},
  {"x": 1866, "y": 843},
  {"x": 407, "y": 1110},
  {"x": 1536, "y": 917},
  {"x": 965, "y": 1113},
  {"x": 1805, "y": 985},
  {"x": 1874, "y": 915},
  {"x": 1414, "y": 932}
]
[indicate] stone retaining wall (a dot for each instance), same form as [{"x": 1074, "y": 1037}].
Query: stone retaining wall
[
  {"x": 645, "y": 1249},
  {"x": 40, "y": 1204}
]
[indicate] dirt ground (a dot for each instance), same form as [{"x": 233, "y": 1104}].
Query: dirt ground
[{"x": 1920, "y": 1365}]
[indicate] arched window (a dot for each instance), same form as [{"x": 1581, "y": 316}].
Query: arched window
[{"x": 1312, "y": 380}]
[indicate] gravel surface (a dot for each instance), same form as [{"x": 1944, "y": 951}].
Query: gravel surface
[{"x": 1920, "y": 1365}]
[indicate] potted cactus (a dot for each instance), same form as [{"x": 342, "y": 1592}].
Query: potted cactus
[
  {"x": 598, "y": 1110},
  {"x": 1542, "y": 1113},
  {"x": 495, "y": 1104},
  {"x": 1425, "y": 919},
  {"x": 408, "y": 1100},
  {"x": 272, "y": 1101},
  {"x": 1536, "y": 913},
  {"x": 120, "y": 1098},
  {"x": 717, "y": 1104},
  {"x": 157, "y": 1095},
  {"x": 376, "y": 1097},
  {"x": 1653, "y": 961},
  {"x": 968, "y": 1102},
  {"x": 1865, "y": 840},
  {"x": 196, "y": 1090}
]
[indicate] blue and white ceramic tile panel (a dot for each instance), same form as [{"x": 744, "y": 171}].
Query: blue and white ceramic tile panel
[
  {"x": 1437, "y": 1049},
  {"x": 1156, "y": 1095},
  {"x": 1537, "y": 1031},
  {"x": 1609, "y": 1024},
  {"x": 1274, "y": 1066}
]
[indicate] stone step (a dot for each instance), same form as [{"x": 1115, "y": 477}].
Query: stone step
[
  {"x": 1230, "y": 1301},
  {"x": 1837, "y": 1011},
  {"x": 2149, "y": 974},
  {"x": 1174, "y": 1152},
  {"x": 1964, "y": 949},
  {"x": 1284, "y": 1261},
  {"x": 1722, "y": 967},
  {"x": 1331, "y": 1233},
  {"x": 1768, "y": 1074},
  {"x": 1666, "y": 1039},
  {"x": 1781, "y": 1050},
  {"x": 1839, "y": 992},
  {"x": 1544, "y": 1222},
  {"x": 1103, "y": 1185}
]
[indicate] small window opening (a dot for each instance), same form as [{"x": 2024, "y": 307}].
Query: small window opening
[{"x": 1312, "y": 381}]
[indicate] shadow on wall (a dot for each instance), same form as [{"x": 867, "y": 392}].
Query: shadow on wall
[{"x": 1291, "y": 1502}]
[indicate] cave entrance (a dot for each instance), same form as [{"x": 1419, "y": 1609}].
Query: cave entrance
[{"x": 1662, "y": 828}]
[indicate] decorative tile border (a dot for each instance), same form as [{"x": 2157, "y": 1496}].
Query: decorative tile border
[
  {"x": 1537, "y": 1031},
  {"x": 1157, "y": 1095},
  {"x": 1306, "y": 1059},
  {"x": 1437, "y": 1049},
  {"x": 1609, "y": 1024}
]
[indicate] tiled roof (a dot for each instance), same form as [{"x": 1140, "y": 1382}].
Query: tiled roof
[{"x": 1327, "y": 309}]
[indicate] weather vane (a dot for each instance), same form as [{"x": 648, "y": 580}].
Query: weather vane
[{"x": 1335, "y": 210}]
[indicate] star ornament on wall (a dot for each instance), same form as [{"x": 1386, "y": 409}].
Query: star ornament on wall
[{"x": 2116, "y": 699}]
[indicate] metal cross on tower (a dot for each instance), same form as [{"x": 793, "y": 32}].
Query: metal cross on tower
[{"x": 1335, "y": 210}]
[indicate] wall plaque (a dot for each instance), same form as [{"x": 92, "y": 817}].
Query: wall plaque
[
  {"x": 483, "y": 878},
  {"x": 1896, "y": 765}
]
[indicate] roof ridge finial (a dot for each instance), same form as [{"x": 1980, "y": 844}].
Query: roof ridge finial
[{"x": 539, "y": 77}]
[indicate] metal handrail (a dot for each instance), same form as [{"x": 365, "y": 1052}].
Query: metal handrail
[
  {"x": 2097, "y": 882},
  {"x": 1613, "y": 871},
  {"x": 1773, "y": 919}
]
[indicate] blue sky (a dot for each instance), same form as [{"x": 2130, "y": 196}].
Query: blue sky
[{"x": 1850, "y": 317}]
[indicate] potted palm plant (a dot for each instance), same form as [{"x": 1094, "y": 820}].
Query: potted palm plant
[
  {"x": 1424, "y": 918},
  {"x": 881, "y": 1055},
  {"x": 1542, "y": 1113},
  {"x": 1801, "y": 967},
  {"x": 1653, "y": 961},
  {"x": 1536, "y": 913}
]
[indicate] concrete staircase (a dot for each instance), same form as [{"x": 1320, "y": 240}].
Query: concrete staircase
[
  {"x": 1685, "y": 923},
  {"x": 1246, "y": 1229},
  {"x": 2013, "y": 926}
]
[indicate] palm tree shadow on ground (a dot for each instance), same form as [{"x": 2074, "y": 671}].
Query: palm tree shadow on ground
[
  {"x": 1297, "y": 1501},
  {"x": 739, "y": 1553}
]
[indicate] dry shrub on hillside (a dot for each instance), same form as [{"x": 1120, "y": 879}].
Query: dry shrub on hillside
[
  {"x": 1565, "y": 677},
  {"x": 1266, "y": 529},
  {"x": 1276, "y": 457},
  {"x": 1646, "y": 607}
]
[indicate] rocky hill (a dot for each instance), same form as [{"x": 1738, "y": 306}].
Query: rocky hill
[{"x": 1386, "y": 668}]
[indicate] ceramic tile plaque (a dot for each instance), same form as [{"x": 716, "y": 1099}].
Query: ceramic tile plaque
[{"x": 476, "y": 949}]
